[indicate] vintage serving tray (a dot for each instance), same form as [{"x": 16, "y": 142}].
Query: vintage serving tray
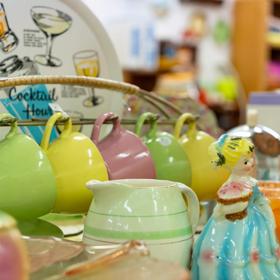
[
  {"x": 57, "y": 259},
  {"x": 58, "y": 37}
]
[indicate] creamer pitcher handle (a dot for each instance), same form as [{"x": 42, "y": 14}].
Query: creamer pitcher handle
[
  {"x": 193, "y": 205},
  {"x": 141, "y": 120},
  {"x": 95, "y": 135},
  {"x": 9, "y": 119},
  {"x": 49, "y": 126},
  {"x": 187, "y": 117}
]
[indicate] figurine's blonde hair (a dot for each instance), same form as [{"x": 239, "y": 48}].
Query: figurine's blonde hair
[{"x": 228, "y": 150}]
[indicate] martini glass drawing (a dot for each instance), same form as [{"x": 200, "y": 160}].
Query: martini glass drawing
[
  {"x": 52, "y": 23},
  {"x": 87, "y": 64}
]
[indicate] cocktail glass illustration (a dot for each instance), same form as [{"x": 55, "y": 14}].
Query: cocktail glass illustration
[
  {"x": 87, "y": 64},
  {"x": 8, "y": 39},
  {"x": 52, "y": 23}
]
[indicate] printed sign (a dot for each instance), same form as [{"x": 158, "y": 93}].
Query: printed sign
[{"x": 55, "y": 37}]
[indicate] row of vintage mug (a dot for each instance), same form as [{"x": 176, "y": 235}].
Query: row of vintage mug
[
  {"x": 35, "y": 180},
  {"x": 179, "y": 157}
]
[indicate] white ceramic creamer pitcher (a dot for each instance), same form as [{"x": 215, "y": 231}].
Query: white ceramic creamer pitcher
[{"x": 164, "y": 214}]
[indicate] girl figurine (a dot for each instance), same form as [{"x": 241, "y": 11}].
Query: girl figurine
[{"x": 239, "y": 241}]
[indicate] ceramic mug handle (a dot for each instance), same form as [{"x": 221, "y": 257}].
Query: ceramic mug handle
[
  {"x": 7, "y": 118},
  {"x": 187, "y": 117},
  {"x": 146, "y": 116},
  {"x": 193, "y": 205},
  {"x": 100, "y": 121},
  {"x": 49, "y": 127}
]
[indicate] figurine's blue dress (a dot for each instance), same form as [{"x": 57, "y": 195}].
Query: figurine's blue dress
[{"x": 243, "y": 249}]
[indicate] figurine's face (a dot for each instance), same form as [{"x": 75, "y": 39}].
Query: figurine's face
[{"x": 246, "y": 165}]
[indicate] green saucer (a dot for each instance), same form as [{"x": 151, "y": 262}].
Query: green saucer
[
  {"x": 70, "y": 224},
  {"x": 52, "y": 217},
  {"x": 38, "y": 227}
]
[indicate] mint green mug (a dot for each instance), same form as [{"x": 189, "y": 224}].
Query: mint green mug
[
  {"x": 27, "y": 182},
  {"x": 170, "y": 160}
]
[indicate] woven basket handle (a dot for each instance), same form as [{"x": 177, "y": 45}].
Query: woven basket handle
[{"x": 100, "y": 83}]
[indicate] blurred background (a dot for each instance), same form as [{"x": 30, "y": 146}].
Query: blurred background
[{"x": 214, "y": 52}]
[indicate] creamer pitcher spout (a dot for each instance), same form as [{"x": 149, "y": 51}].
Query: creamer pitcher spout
[{"x": 95, "y": 185}]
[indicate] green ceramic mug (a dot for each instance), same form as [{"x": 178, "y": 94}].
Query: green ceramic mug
[
  {"x": 27, "y": 182},
  {"x": 170, "y": 160}
]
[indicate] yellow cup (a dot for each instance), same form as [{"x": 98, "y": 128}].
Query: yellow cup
[
  {"x": 75, "y": 160},
  {"x": 206, "y": 179}
]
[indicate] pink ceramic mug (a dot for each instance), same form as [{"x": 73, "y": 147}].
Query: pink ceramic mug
[{"x": 125, "y": 154}]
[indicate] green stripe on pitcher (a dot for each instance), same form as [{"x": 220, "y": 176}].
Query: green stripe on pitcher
[
  {"x": 138, "y": 216},
  {"x": 149, "y": 235}
]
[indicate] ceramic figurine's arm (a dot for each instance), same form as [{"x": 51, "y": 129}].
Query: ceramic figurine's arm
[
  {"x": 233, "y": 198},
  {"x": 221, "y": 210}
]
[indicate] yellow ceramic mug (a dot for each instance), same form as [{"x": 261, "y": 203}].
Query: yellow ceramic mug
[
  {"x": 75, "y": 160},
  {"x": 205, "y": 179}
]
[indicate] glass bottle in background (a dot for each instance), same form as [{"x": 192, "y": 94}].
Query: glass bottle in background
[
  {"x": 8, "y": 39},
  {"x": 87, "y": 64}
]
